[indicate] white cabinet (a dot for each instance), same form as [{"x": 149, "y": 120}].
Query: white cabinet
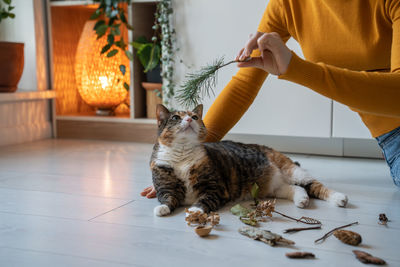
[{"x": 208, "y": 29}]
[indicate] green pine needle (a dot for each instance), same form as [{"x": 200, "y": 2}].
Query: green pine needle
[{"x": 198, "y": 85}]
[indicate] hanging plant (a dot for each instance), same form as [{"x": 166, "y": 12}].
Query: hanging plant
[{"x": 167, "y": 34}]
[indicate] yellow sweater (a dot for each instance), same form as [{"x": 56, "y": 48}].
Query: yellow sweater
[{"x": 348, "y": 44}]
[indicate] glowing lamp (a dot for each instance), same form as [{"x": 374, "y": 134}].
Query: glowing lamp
[{"x": 99, "y": 79}]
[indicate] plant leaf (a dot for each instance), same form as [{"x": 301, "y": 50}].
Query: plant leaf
[
  {"x": 98, "y": 24},
  {"x": 154, "y": 59},
  {"x": 110, "y": 39},
  {"x": 105, "y": 48},
  {"x": 129, "y": 55},
  {"x": 126, "y": 86},
  {"x": 112, "y": 53},
  {"x": 95, "y": 14},
  {"x": 239, "y": 210},
  {"x": 115, "y": 31},
  {"x": 101, "y": 30},
  {"x": 254, "y": 191},
  {"x": 8, "y": 2},
  {"x": 248, "y": 221},
  {"x": 122, "y": 68}
]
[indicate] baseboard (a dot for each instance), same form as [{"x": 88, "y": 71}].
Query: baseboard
[
  {"x": 367, "y": 148},
  {"x": 112, "y": 131}
]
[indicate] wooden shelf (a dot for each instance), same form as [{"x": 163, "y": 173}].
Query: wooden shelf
[
  {"x": 27, "y": 96},
  {"x": 89, "y": 2},
  {"x": 93, "y": 117}
]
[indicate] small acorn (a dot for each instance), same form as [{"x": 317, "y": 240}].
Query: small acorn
[
  {"x": 203, "y": 230},
  {"x": 348, "y": 237}
]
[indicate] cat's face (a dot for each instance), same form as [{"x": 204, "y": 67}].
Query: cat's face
[{"x": 180, "y": 126}]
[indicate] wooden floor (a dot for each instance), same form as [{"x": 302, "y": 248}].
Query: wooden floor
[{"x": 77, "y": 203}]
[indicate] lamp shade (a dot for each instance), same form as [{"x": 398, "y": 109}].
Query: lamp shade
[{"x": 99, "y": 79}]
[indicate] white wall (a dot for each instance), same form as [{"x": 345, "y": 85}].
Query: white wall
[
  {"x": 22, "y": 29},
  {"x": 208, "y": 29}
]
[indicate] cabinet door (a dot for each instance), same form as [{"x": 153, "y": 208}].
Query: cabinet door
[
  {"x": 347, "y": 124},
  {"x": 208, "y": 29}
]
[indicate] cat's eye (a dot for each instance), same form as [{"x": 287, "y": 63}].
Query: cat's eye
[
  {"x": 176, "y": 117},
  {"x": 195, "y": 117}
]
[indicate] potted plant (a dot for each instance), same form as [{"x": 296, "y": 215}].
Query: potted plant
[
  {"x": 11, "y": 55},
  {"x": 149, "y": 54}
]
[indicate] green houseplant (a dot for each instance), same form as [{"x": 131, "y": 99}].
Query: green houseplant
[
  {"x": 11, "y": 55},
  {"x": 110, "y": 15}
]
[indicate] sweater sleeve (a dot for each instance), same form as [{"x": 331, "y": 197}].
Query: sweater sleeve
[
  {"x": 369, "y": 92},
  {"x": 240, "y": 92}
]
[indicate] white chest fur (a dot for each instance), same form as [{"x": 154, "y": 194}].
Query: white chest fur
[{"x": 182, "y": 157}]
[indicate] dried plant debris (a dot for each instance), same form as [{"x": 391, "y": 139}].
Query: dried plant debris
[
  {"x": 203, "y": 230},
  {"x": 294, "y": 230},
  {"x": 300, "y": 255},
  {"x": 333, "y": 230},
  {"x": 348, "y": 237},
  {"x": 194, "y": 218},
  {"x": 262, "y": 210},
  {"x": 383, "y": 220},
  {"x": 265, "y": 236},
  {"x": 365, "y": 257}
]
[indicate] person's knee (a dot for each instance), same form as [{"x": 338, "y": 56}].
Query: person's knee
[{"x": 395, "y": 171}]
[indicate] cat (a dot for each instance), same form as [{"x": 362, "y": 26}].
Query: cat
[{"x": 187, "y": 171}]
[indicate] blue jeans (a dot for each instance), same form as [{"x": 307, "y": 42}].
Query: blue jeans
[{"x": 390, "y": 144}]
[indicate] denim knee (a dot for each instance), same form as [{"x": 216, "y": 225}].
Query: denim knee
[{"x": 395, "y": 171}]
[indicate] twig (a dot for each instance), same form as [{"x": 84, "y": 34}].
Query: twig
[
  {"x": 292, "y": 230},
  {"x": 333, "y": 230},
  {"x": 305, "y": 220}
]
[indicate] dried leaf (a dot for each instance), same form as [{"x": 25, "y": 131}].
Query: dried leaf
[
  {"x": 348, "y": 237},
  {"x": 239, "y": 210},
  {"x": 264, "y": 235},
  {"x": 249, "y": 221},
  {"x": 365, "y": 257},
  {"x": 213, "y": 218},
  {"x": 196, "y": 217},
  {"x": 266, "y": 208},
  {"x": 201, "y": 218},
  {"x": 300, "y": 255}
]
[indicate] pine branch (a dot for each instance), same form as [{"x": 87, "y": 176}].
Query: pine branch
[{"x": 200, "y": 84}]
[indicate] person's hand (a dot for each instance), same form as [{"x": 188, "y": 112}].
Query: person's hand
[
  {"x": 275, "y": 55},
  {"x": 149, "y": 192}
]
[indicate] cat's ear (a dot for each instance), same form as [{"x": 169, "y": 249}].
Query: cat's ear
[
  {"x": 198, "y": 110},
  {"x": 162, "y": 113}
]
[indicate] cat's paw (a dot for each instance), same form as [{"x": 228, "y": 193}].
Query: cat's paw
[
  {"x": 301, "y": 201},
  {"x": 338, "y": 199},
  {"x": 194, "y": 209},
  {"x": 162, "y": 210}
]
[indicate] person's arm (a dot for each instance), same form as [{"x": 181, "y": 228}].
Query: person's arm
[
  {"x": 241, "y": 91},
  {"x": 368, "y": 92}
]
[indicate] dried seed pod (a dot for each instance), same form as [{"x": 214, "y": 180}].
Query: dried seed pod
[
  {"x": 300, "y": 255},
  {"x": 365, "y": 257},
  {"x": 383, "y": 219},
  {"x": 348, "y": 237},
  {"x": 203, "y": 230}
]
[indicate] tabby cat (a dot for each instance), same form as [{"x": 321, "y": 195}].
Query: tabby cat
[{"x": 187, "y": 171}]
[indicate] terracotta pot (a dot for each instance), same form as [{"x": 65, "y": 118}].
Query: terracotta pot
[
  {"x": 11, "y": 65},
  {"x": 151, "y": 98}
]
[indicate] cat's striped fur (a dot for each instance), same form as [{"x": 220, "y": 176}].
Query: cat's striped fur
[{"x": 187, "y": 171}]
